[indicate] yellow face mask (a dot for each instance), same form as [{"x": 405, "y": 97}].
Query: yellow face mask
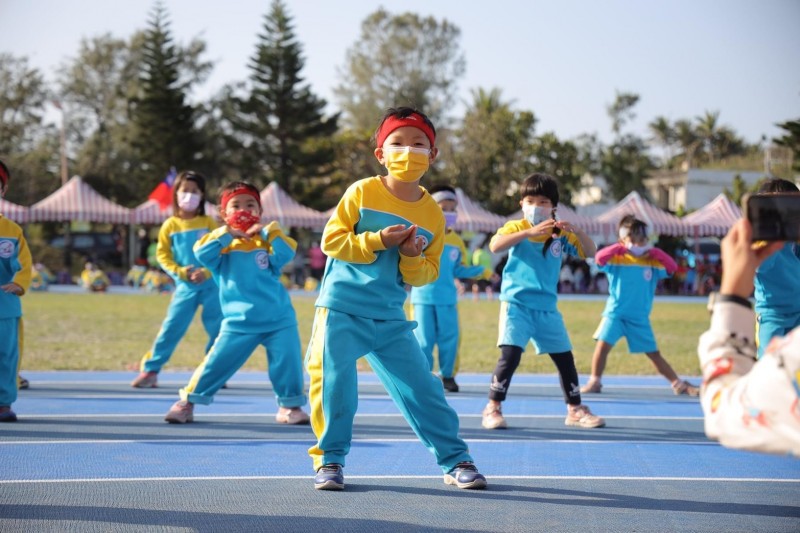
[{"x": 406, "y": 163}]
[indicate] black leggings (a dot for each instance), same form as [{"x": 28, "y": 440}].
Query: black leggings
[{"x": 510, "y": 357}]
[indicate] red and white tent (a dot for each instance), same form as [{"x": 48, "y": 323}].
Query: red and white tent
[
  {"x": 278, "y": 205},
  {"x": 150, "y": 212},
  {"x": 659, "y": 222},
  {"x": 12, "y": 211},
  {"x": 589, "y": 225},
  {"x": 473, "y": 217},
  {"x": 76, "y": 200},
  {"x": 713, "y": 219}
]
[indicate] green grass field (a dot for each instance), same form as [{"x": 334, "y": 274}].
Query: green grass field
[{"x": 113, "y": 331}]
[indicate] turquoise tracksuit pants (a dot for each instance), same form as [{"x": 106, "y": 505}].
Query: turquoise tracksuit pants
[
  {"x": 231, "y": 351},
  {"x": 338, "y": 340},
  {"x": 9, "y": 360},
  {"x": 180, "y": 314},
  {"x": 438, "y": 326}
]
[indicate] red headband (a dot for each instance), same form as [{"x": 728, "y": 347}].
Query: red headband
[
  {"x": 414, "y": 120},
  {"x": 226, "y": 196},
  {"x": 3, "y": 176}
]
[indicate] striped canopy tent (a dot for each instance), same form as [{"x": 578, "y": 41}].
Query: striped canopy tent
[
  {"x": 278, "y": 205},
  {"x": 713, "y": 219},
  {"x": 150, "y": 212},
  {"x": 12, "y": 211},
  {"x": 659, "y": 222},
  {"x": 473, "y": 217},
  {"x": 77, "y": 201},
  {"x": 589, "y": 225}
]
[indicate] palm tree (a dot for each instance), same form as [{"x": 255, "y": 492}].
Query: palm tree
[
  {"x": 708, "y": 132},
  {"x": 663, "y": 135},
  {"x": 687, "y": 139}
]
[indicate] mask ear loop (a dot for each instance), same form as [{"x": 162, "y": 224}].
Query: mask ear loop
[{"x": 556, "y": 232}]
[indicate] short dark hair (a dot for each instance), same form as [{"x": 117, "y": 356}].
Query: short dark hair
[
  {"x": 199, "y": 180},
  {"x": 5, "y": 173},
  {"x": 777, "y": 185},
  {"x": 540, "y": 184},
  {"x": 402, "y": 112},
  {"x": 441, "y": 187}
]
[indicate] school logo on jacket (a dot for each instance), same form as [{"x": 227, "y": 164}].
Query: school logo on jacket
[
  {"x": 453, "y": 255},
  {"x": 424, "y": 240},
  {"x": 6, "y": 249},
  {"x": 262, "y": 260},
  {"x": 555, "y": 248},
  {"x": 648, "y": 274}
]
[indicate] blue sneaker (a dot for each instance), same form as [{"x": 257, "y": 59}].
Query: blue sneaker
[
  {"x": 329, "y": 477},
  {"x": 6, "y": 414},
  {"x": 465, "y": 476}
]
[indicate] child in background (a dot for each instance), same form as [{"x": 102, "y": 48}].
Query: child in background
[
  {"x": 41, "y": 277},
  {"x": 245, "y": 257},
  {"x": 777, "y": 283},
  {"x": 433, "y": 306},
  {"x": 385, "y": 232},
  {"x": 528, "y": 295},
  {"x": 634, "y": 269},
  {"x": 193, "y": 284},
  {"x": 15, "y": 277},
  {"x": 93, "y": 278}
]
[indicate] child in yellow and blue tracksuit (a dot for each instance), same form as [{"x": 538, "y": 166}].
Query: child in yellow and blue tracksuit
[
  {"x": 193, "y": 284},
  {"x": 245, "y": 259},
  {"x": 528, "y": 295},
  {"x": 633, "y": 268},
  {"x": 385, "y": 232},
  {"x": 434, "y": 305},
  {"x": 15, "y": 278},
  {"x": 777, "y": 283}
]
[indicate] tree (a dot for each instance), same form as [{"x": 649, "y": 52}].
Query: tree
[
  {"x": 791, "y": 140},
  {"x": 739, "y": 188},
  {"x": 164, "y": 133},
  {"x": 27, "y": 145},
  {"x": 280, "y": 123},
  {"x": 400, "y": 60},
  {"x": 664, "y": 136},
  {"x": 621, "y": 111},
  {"x": 688, "y": 140},
  {"x": 560, "y": 159},
  {"x": 624, "y": 164},
  {"x": 707, "y": 131},
  {"x": 491, "y": 150}
]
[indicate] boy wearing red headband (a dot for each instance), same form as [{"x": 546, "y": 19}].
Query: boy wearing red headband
[
  {"x": 15, "y": 278},
  {"x": 385, "y": 232},
  {"x": 245, "y": 258}
]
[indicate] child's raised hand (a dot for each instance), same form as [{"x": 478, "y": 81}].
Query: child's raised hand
[
  {"x": 237, "y": 233},
  {"x": 565, "y": 226},
  {"x": 394, "y": 235},
  {"x": 543, "y": 228},
  {"x": 197, "y": 275},
  {"x": 11, "y": 288},
  {"x": 255, "y": 229},
  {"x": 411, "y": 246}
]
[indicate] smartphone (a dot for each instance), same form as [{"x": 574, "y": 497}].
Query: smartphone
[{"x": 774, "y": 216}]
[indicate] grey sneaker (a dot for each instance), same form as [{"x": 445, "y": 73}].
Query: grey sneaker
[
  {"x": 181, "y": 412},
  {"x": 465, "y": 476},
  {"x": 329, "y": 477}
]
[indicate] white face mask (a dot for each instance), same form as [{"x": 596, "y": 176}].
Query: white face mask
[
  {"x": 536, "y": 214},
  {"x": 189, "y": 201},
  {"x": 638, "y": 250}
]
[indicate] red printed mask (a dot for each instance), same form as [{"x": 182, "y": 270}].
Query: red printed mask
[{"x": 241, "y": 219}]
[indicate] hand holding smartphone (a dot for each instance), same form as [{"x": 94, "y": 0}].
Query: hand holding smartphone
[{"x": 773, "y": 216}]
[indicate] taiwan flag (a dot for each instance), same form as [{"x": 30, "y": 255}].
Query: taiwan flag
[{"x": 163, "y": 191}]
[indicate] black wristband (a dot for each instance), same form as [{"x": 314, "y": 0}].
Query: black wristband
[{"x": 734, "y": 298}]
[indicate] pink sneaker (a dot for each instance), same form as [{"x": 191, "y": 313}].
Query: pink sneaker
[
  {"x": 145, "y": 380},
  {"x": 493, "y": 418},
  {"x": 181, "y": 412},
  {"x": 581, "y": 416},
  {"x": 592, "y": 386},
  {"x": 294, "y": 416}
]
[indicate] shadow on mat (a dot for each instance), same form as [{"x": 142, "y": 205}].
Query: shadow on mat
[{"x": 204, "y": 521}]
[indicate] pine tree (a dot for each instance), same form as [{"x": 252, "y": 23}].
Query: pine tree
[
  {"x": 285, "y": 135},
  {"x": 164, "y": 132}
]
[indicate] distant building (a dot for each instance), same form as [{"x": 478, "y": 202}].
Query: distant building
[{"x": 692, "y": 189}]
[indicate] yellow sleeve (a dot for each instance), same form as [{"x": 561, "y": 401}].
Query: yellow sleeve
[
  {"x": 164, "y": 252},
  {"x": 339, "y": 240},
  {"x": 424, "y": 268},
  {"x": 23, "y": 277}
]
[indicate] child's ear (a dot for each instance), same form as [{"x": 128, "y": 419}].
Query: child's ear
[
  {"x": 379, "y": 154},
  {"x": 434, "y": 153}
]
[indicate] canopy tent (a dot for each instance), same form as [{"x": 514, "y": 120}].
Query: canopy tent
[
  {"x": 278, "y": 205},
  {"x": 589, "y": 225},
  {"x": 473, "y": 217},
  {"x": 76, "y": 200},
  {"x": 713, "y": 219},
  {"x": 150, "y": 212},
  {"x": 659, "y": 222},
  {"x": 12, "y": 211}
]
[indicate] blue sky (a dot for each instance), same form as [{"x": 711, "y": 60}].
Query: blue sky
[{"x": 563, "y": 60}]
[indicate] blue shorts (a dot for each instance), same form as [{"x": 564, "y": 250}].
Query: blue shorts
[
  {"x": 638, "y": 332},
  {"x": 519, "y": 324}
]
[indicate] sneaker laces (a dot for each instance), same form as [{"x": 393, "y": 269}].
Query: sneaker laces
[{"x": 332, "y": 468}]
